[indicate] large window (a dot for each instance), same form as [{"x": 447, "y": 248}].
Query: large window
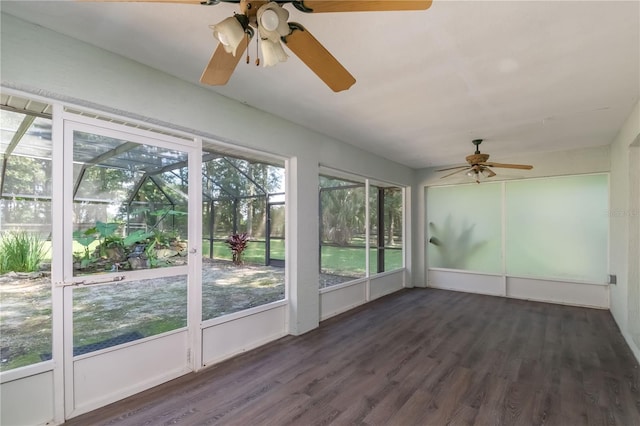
[
  {"x": 344, "y": 226},
  {"x": 558, "y": 227},
  {"x": 25, "y": 234},
  {"x": 554, "y": 228},
  {"x": 243, "y": 202},
  {"x": 464, "y": 227}
]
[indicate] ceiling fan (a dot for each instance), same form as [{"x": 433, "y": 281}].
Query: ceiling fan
[
  {"x": 479, "y": 166},
  {"x": 270, "y": 20}
]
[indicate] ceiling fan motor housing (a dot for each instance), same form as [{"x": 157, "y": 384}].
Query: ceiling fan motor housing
[{"x": 477, "y": 158}]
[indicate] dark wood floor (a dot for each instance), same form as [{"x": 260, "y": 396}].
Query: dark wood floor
[{"x": 417, "y": 357}]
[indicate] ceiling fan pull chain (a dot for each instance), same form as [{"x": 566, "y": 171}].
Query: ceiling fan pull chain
[
  {"x": 248, "y": 40},
  {"x": 257, "y": 52}
]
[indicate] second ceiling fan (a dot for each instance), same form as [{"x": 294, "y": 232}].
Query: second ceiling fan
[
  {"x": 479, "y": 166},
  {"x": 270, "y": 20}
]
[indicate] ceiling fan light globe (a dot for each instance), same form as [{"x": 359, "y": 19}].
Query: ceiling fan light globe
[
  {"x": 230, "y": 33},
  {"x": 221, "y": 38},
  {"x": 272, "y": 52},
  {"x": 269, "y": 20},
  {"x": 272, "y": 21}
]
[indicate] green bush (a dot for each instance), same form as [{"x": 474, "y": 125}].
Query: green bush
[{"x": 21, "y": 252}]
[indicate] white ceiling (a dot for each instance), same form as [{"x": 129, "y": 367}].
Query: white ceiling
[{"x": 526, "y": 76}]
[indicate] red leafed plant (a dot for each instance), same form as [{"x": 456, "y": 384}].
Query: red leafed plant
[{"x": 237, "y": 243}]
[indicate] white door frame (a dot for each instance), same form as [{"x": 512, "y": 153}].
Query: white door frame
[{"x": 64, "y": 281}]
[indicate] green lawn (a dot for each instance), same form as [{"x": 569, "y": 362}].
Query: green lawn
[{"x": 350, "y": 261}]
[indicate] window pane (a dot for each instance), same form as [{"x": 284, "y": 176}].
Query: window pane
[
  {"x": 27, "y": 177},
  {"x": 393, "y": 217},
  {"x": 373, "y": 219},
  {"x": 25, "y": 240},
  {"x": 342, "y": 231},
  {"x": 109, "y": 315},
  {"x": 276, "y": 234},
  {"x": 239, "y": 190},
  {"x": 558, "y": 227},
  {"x": 130, "y": 205},
  {"x": 385, "y": 228},
  {"x": 393, "y": 212},
  {"x": 464, "y": 227}
]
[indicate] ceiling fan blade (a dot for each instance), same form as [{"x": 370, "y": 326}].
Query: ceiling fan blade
[
  {"x": 222, "y": 64},
  {"x": 321, "y": 6},
  {"x": 452, "y": 168},
  {"x": 451, "y": 174},
  {"x": 509, "y": 166},
  {"x": 317, "y": 58}
]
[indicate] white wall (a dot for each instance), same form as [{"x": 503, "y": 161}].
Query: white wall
[
  {"x": 34, "y": 394},
  {"x": 578, "y": 161},
  {"x": 624, "y": 253}
]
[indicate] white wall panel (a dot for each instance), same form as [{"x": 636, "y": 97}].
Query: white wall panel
[
  {"x": 114, "y": 374},
  {"x": 224, "y": 340},
  {"x": 466, "y": 281},
  {"x": 567, "y": 293},
  {"x": 387, "y": 283},
  {"x": 563, "y": 292},
  {"x": 334, "y": 301},
  {"x": 27, "y": 401}
]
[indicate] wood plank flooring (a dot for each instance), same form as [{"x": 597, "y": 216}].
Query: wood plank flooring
[{"x": 416, "y": 357}]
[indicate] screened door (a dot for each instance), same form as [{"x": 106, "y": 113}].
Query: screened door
[{"x": 126, "y": 263}]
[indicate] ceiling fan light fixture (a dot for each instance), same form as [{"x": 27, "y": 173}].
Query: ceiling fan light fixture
[
  {"x": 269, "y": 20},
  {"x": 229, "y": 32},
  {"x": 272, "y": 22},
  {"x": 478, "y": 173},
  {"x": 272, "y": 52}
]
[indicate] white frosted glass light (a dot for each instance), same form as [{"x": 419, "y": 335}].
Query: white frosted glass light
[
  {"x": 272, "y": 20},
  {"x": 221, "y": 38},
  {"x": 229, "y": 33},
  {"x": 272, "y": 52},
  {"x": 269, "y": 20}
]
